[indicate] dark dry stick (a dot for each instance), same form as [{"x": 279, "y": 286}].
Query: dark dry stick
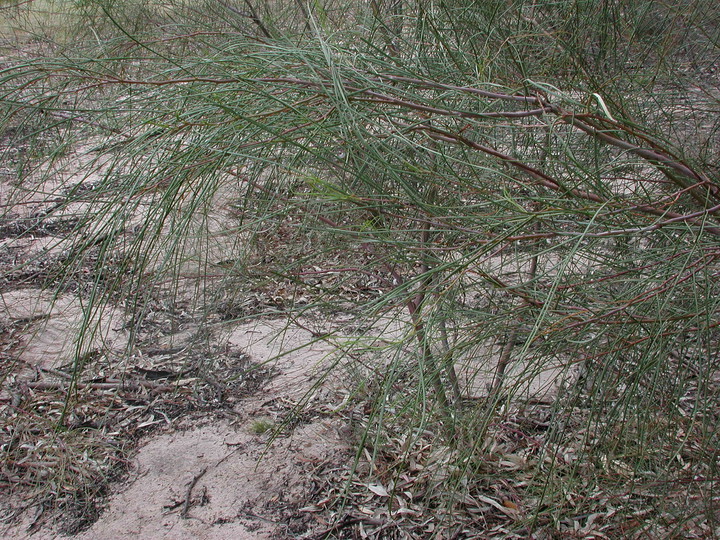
[{"x": 188, "y": 493}]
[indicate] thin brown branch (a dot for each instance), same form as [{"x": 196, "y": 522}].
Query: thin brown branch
[
  {"x": 507, "y": 349},
  {"x": 549, "y": 182},
  {"x": 188, "y": 494},
  {"x": 653, "y": 156}
]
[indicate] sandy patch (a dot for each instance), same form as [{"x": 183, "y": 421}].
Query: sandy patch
[{"x": 241, "y": 487}]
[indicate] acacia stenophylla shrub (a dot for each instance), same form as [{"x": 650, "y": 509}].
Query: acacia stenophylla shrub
[{"x": 515, "y": 212}]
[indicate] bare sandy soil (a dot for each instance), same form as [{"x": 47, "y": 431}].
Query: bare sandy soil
[
  {"x": 215, "y": 477},
  {"x": 213, "y": 474}
]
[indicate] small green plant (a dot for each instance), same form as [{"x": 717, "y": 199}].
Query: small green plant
[{"x": 261, "y": 426}]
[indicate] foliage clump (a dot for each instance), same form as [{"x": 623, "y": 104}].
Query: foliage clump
[{"x": 522, "y": 216}]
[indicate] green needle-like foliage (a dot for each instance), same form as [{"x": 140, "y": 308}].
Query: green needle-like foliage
[{"x": 530, "y": 192}]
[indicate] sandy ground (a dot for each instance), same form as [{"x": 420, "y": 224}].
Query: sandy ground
[
  {"x": 253, "y": 469},
  {"x": 215, "y": 475},
  {"x": 238, "y": 483}
]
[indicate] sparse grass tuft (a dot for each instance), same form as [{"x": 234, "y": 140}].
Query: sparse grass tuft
[{"x": 261, "y": 426}]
